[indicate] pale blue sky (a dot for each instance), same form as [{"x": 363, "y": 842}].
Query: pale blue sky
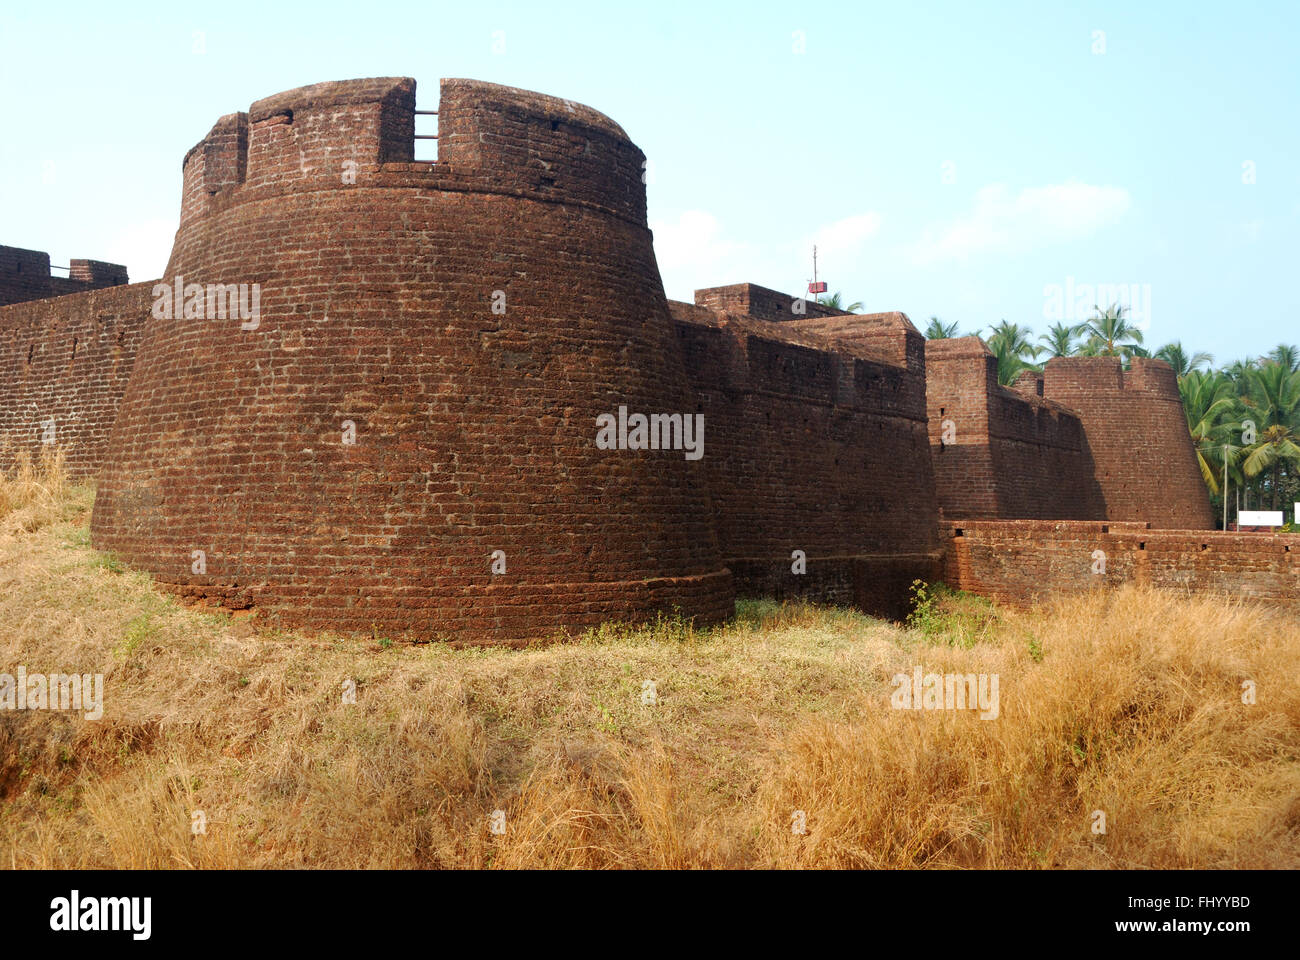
[{"x": 948, "y": 159}]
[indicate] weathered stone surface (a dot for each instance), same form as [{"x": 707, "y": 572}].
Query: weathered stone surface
[
  {"x": 434, "y": 343},
  {"x": 474, "y": 428}
]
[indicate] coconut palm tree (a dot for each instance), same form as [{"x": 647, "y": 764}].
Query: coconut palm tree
[
  {"x": 1176, "y": 357},
  {"x": 1273, "y": 396},
  {"x": 1285, "y": 354},
  {"x": 1089, "y": 348},
  {"x": 835, "y": 303},
  {"x": 1239, "y": 370},
  {"x": 1010, "y": 343},
  {"x": 938, "y": 330},
  {"x": 1110, "y": 334},
  {"x": 1059, "y": 339},
  {"x": 1211, "y": 404}
]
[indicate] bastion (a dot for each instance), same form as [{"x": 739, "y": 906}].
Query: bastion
[
  {"x": 1136, "y": 431},
  {"x": 448, "y": 399},
  {"x": 402, "y": 441}
]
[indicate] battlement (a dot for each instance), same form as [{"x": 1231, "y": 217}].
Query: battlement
[
  {"x": 751, "y": 300},
  {"x": 1152, "y": 376},
  {"x": 1000, "y": 452},
  {"x": 436, "y": 347},
  {"x": 25, "y": 275},
  {"x": 889, "y": 337},
  {"x": 1072, "y": 376},
  {"x": 1136, "y": 431},
  {"x": 749, "y": 355},
  {"x": 354, "y": 134}
]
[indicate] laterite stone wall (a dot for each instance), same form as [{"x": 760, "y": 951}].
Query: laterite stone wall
[
  {"x": 1023, "y": 561},
  {"x": 1137, "y": 435},
  {"x": 398, "y": 433},
  {"x": 64, "y": 366},
  {"x": 469, "y": 320},
  {"x": 812, "y": 448},
  {"x": 1001, "y": 453}
]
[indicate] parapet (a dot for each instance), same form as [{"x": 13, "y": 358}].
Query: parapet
[
  {"x": 491, "y": 139},
  {"x": 97, "y": 273},
  {"x": 882, "y": 340},
  {"x": 1137, "y": 432},
  {"x": 882, "y": 337},
  {"x": 889, "y": 336},
  {"x": 1152, "y": 376},
  {"x": 25, "y": 275},
  {"x": 761, "y": 303},
  {"x": 1075, "y": 376}
]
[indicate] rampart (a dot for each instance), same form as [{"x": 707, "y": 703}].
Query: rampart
[
  {"x": 64, "y": 366},
  {"x": 1023, "y": 561},
  {"x": 368, "y": 396},
  {"x": 817, "y": 450},
  {"x": 1001, "y": 453},
  {"x": 25, "y": 275},
  {"x": 404, "y": 441},
  {"x": 1136, "y": 433}
]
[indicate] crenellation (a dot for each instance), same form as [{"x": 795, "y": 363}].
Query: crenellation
[
  {"x": 25, "y": 275},
  {"x": 434, "y": 348}
]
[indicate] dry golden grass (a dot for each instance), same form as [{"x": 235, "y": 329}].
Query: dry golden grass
[
  {"x": 35, "y": 494},
  {"x": 1128, "y": 702}
]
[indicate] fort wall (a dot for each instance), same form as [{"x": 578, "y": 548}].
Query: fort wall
[
  {"x": 812, "y": 449},
  {"x": 1137, "y": 436},
  {"x": 1003, "y": 453},
  {"x": 1024, "y": 561},
  {"x": 64, "y": 366},
  {"x": 403, "y": 435},
  {"x": 469, "y": 320}
]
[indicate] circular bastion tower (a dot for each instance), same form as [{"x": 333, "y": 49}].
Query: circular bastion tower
[{"x": 367, "y": 399}]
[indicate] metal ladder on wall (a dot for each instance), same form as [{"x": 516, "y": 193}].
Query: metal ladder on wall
[{"x": 428, "y": 136}]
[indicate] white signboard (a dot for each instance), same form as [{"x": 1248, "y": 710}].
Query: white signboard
[
  {"x": 1297, "y": 514},
  {"x": 1260, "y": 518}
]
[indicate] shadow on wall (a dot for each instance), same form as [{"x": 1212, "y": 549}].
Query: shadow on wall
[{"x": 404, "y": 441}]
